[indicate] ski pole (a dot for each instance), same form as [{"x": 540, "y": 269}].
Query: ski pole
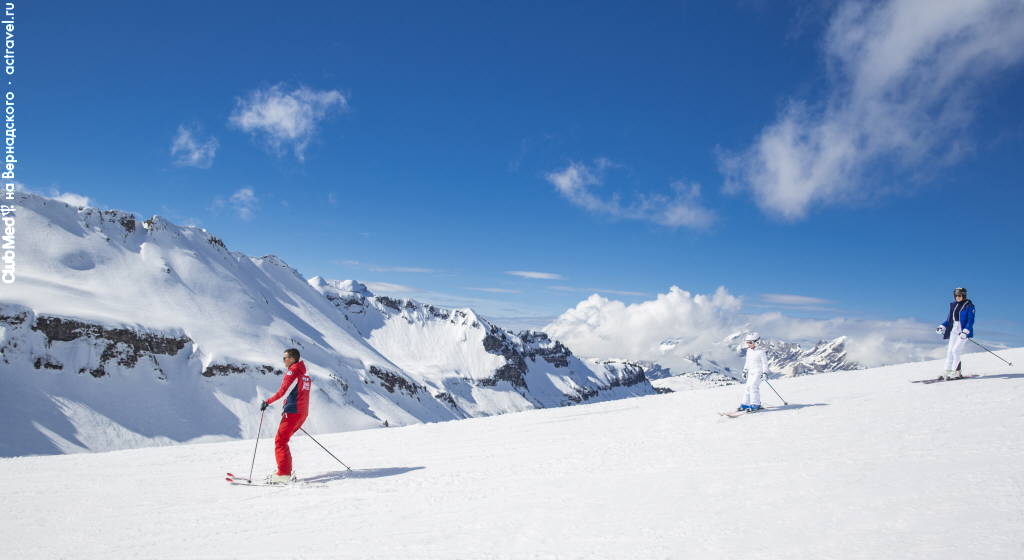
[
  {"x": 776, "y": 392},
  {"x": 258, "y": 431},
  {"x": 325, "y": 449},
  {"x": 991, "y": 352}
]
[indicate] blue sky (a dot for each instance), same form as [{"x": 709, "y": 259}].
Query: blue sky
[{"x": 623, "y": 147}]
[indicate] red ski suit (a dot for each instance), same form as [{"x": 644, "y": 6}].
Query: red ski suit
[{"x": 296, "y": 408}]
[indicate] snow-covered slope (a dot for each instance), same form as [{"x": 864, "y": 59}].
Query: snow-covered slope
[
  {"x": 863, "y": 465},
  {"x": 120, "y": 333}
]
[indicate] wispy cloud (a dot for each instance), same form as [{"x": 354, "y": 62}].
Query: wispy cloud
[
  {"x": 71, "y": 198},
  {"x": 379, "y": 268},
  {"x": 597, "y": 291},
  {"x": 488, "y": 306},
  {"x": 904, "y": 78},
  {"x": 680, "y": 208},
  {"x": 189, "y": 150},
  {"x": 495, "y": 290},
  {"x": 534, "y": 275},
  {"x": 388, "y": 288},
  {"x": 791, "y": 299},
  {"x": 243, "y": 202},
  {"x": 286, "y": 118}
]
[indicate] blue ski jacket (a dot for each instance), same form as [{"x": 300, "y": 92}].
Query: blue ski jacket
[{"x": 962, "y": 311}]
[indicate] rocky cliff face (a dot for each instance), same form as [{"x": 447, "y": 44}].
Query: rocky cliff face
[
  {"x": 45, "y": 341},
  {"x": 471, "y": 361},
  {"x": 789, "y": 359}
]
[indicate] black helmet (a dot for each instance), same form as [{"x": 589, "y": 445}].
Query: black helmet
[{"x": 960, "y": 292}]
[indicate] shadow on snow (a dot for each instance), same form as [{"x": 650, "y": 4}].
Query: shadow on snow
[
  {"x": 791, "y": 406},
  {"x": 359, "y": 473}
]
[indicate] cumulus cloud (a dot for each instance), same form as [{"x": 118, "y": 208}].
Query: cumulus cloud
[
  {"x": 699, "y": 324},
  {"x": 904, "y": 76},
  {"x": 286, "y": 118},
  {"x": 534, "y": 275},
  {"x": 680, "y": 208},
  {"x": 189, "y": 150}
]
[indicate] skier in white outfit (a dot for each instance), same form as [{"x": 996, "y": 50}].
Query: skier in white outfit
[
  {"x": 958, "y": 327},
  {"x": 755, "y": 368}
]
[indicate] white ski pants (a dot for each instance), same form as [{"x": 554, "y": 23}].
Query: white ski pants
[
  {"x": 956, "y": 345},
  {"x": 752, "y": 392}
]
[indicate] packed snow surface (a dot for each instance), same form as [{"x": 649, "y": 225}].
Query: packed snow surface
[{"x": 860, "y": 465}]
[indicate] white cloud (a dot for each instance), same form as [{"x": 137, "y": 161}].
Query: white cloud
[
  {"x": 617, "y": 292},
  {"x": 188, "y": 150},
  {"x": 387, "y": 288},
  {"x": 379, "y": 268},
  {"x": 597, "y": 291},
  {"x": 603, "y": 328},
  {"x": 286, "y": 118},
  {"x": 534, "y": 275},
  {"x": 71, "y": 198},
  {"x": 904, "y": 76},
  {"x": 375, "y": 268},
  {"x": 243, "y": 202},
  {"x": 791, "y": 299},
  {"x": 681, "y": 208},
  {"x": 495, "y": 290}
]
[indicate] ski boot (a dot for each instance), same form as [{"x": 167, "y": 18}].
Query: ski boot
[
  {"x": 754, "y": 408},
  {"x": 743, "y": 408},
  {"x": 274, "y": 478}
]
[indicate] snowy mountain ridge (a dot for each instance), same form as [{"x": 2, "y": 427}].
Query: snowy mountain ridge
[
  {"x": 122, "y": 332},
  {"x": 784, "y": 358}
]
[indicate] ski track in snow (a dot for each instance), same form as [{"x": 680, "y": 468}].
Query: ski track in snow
[{"x": 862, "y": 465}]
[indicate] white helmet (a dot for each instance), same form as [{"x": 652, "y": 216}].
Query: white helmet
[{"x": 752, "y": 337}]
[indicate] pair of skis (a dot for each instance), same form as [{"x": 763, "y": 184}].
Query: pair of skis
[
  {"x": 242, "y": 481},
  {"x": 943, "y": 379},
  {"x": 738, "y": 413}
]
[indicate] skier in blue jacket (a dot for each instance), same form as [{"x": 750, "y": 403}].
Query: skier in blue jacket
[{"x": 958, "y": 327}]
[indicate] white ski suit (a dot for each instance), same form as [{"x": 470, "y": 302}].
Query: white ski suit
[
  {"x": 956, "y": 345},
  {"x": 755, "y": 367}
]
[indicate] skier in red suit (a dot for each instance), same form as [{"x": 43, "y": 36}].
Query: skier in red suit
[{"x": 296, "y": 408}]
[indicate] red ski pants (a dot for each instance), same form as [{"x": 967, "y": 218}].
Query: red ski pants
[{"x": 290, "y": 423}]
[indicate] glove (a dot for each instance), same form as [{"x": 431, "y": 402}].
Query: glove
[
  {"x": 964, "y": 333},
  {"x": 940, "y": 330},
  {"x": 264, "y": 405},
  {"x": 744, "y": 374}
]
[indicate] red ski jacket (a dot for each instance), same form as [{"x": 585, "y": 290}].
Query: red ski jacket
[{"x": 298, "y": 400}]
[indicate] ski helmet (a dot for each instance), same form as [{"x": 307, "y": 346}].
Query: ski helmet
[
  {"x": 752, "y": 337},
  {"x": 960, "y": 292}
]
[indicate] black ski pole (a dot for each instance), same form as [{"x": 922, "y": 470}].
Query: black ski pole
[
  {"x": 991, "y": 352},
  {"x": 258, "y": 431},
  {"x": 776, "y": 392},
  {"x": 325, "y": 449}
]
